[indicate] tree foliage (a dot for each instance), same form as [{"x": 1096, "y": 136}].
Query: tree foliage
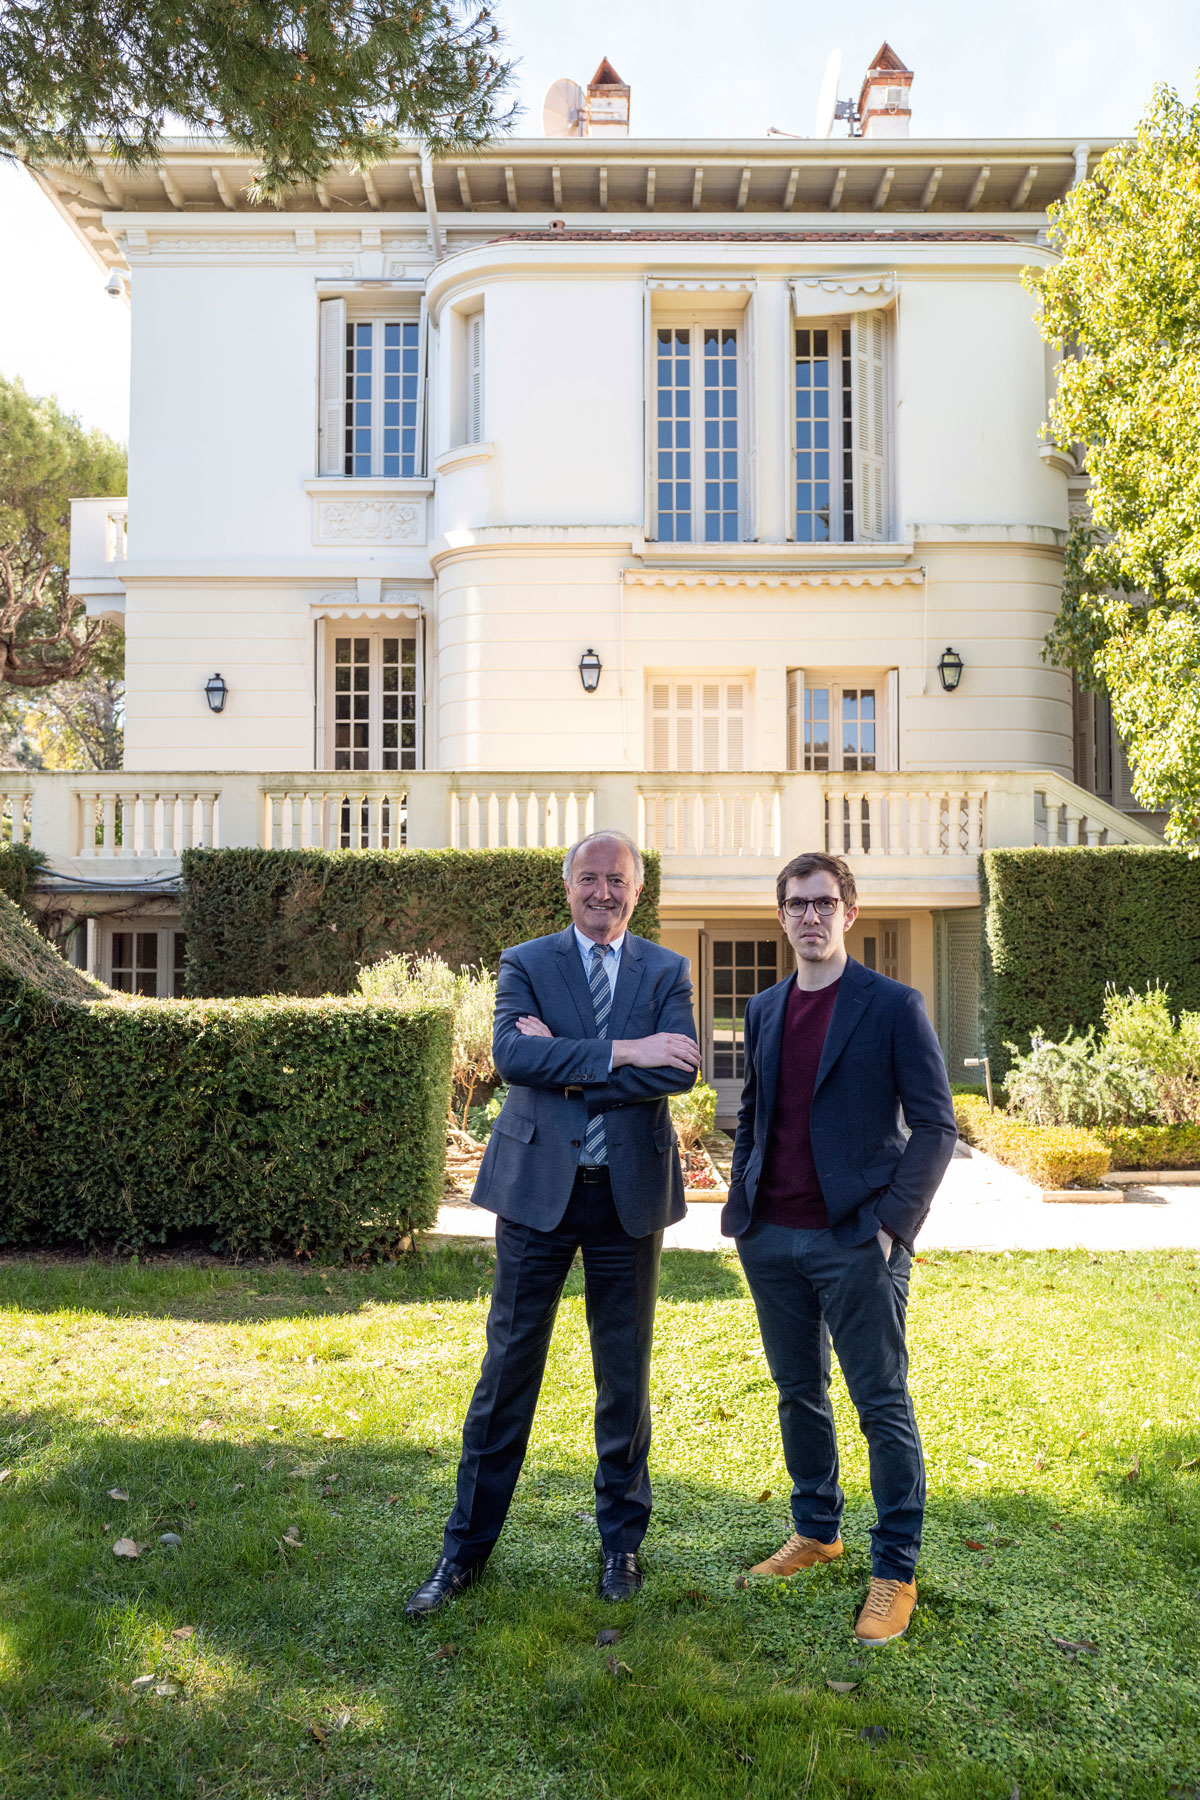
[
  {"x": 1123, "y": 301},
  {"x": 299, "y": 87},
  {"x": 47, "y": 459}
]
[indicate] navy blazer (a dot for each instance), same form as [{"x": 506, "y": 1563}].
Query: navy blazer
[
  {"x": 555, "y": 1085},
  {"x": 881, "y": 1054}
]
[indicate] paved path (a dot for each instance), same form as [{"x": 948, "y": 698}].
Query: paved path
[{"x": 980, "y": 1206}]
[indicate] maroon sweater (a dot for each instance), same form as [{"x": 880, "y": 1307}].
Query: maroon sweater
[{"x": 789, "y": 1190}]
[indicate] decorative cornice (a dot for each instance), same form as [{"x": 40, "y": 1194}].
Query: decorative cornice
[
  {"x": 667, "y": 285},
  {"x": 771, "y": 578}
]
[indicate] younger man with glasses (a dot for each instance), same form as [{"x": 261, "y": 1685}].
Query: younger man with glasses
[{"x": 825, "y": 1201}]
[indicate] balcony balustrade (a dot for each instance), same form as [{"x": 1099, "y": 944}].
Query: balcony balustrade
[{"x": 719, "y": 836}]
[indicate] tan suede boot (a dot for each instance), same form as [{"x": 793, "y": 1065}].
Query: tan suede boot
[
  {"x": 888, "y": 1608},
  {"x": 799, "y": 1552}
]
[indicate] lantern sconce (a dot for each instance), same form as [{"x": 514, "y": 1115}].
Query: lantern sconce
[
  {"x": 216, "y": 690},
  {"x": 589, "y": 671},
  {"x": 950, "y": 668}
]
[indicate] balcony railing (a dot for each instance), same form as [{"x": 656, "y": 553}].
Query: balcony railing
[{"x": 727, "y": 830}]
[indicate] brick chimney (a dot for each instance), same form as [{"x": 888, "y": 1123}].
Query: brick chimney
[
  {"x": 608, "y": 103},
  {"x": 884, "y": 108}
]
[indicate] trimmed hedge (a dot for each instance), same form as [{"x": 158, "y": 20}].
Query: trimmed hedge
[
  {"x": 263, "y": 1125},
  {"x": 1060, "y": 925},
  {"x": 1153, "y": 1146},
  {"x": 18, "y": 866},
  {"x": 306, "y": 921},
  {"x": 1068, "y": 1156},
  {"x": 1051, "y": 1156}
]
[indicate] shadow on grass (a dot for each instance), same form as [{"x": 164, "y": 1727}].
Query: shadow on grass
[
  {"x": 210, "y": 1290},
  {"x": 713, "y": 1689}
]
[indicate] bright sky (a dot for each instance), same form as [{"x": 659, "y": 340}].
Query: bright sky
[{"x": 697, "y": 69}]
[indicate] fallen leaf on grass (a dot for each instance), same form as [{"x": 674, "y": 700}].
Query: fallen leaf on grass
[
  {"x": 445, "y": 1650},
  {"x": 1072, "y": 1647},
  {"x": 117, "y": 1494},
  {"x": 615, "y": 1668},
  {"x": 765, "y": 1495},
  {"x": 340, "y": 1720},
  {"x": 841, "y": 1687},
  {"x": 1055, "y": 1526},
  {"x": 292, "y": 1536},
  {"x": 122, "y": 1740},
  {"x": 126, "y": 1547},
  {"x": 988, "y": 1561},
  {"x": 351, "y": 1414},
  {"x": 608, "y": 1636},
  {"x": 321, "y": 1736},
  {"x": 337, "y": 1437},
  {"x": 1134, "y": 1469},
  {"x": 5, "y": 1473},
  {"x": 166, "y": 1688},
  {"x": 976, "y": 1462},
  {"x": 1039, "y": 1461},
  {"x": 974, "y": 1544},
  {"x": 238, "y": 1486},
  {"x": 392, "y": 1499},
  {"x": 184, "y": 1631},
  {"x": 142, "y": 1682},
  {"x": 1194, "y": 1463},
  {"x": 1002, "y": 1543},
  {"x": 741, "y": 1582}
]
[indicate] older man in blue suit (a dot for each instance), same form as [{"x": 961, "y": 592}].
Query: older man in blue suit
[
  {"x": 593, "y": 1031},
  {"x": 826, "y": 1197}
]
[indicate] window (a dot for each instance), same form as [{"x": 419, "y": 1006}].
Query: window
[
  {"x": 375, "y": 715},
  {"x": 697, "y": 449},
  {"x": 839, "y": 440},
  {"x": 737, "y": 965},
  {"x": 145, "y": 961},
  {"x": 696, "y": 723},
  {"x": 840, "y": 722},
  {"x": 371, "y": 393}
]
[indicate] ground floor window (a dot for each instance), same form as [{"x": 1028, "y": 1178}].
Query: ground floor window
[
  {"x": 737, "y": 965},
  {"x": 373, "y": 699},
  {"x": 143, "y": 959}
]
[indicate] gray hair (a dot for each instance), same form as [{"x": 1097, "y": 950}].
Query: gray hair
[{"x": 606, "y": 837}]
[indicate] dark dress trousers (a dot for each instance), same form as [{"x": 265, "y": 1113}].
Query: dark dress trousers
[{"x": 547, "y": 1208}]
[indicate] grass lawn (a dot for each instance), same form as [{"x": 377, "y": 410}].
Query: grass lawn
[{"x": 297, "y": 1429}]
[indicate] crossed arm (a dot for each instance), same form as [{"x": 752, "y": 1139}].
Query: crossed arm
[{"x": 527, "y": 1053}]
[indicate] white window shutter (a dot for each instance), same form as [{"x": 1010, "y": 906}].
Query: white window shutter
[
  {"x": 331, "y": 433},
  {"x": 870, "y": 427},
  {"x": 475, "y": 378},
  {"x": 735, "y": 727},
  {"x": 795, "y": 710}
]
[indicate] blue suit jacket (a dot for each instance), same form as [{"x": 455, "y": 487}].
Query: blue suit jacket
[
  {"x": 555, "y": 1085},
  {"x": 880, "y": 1054}
]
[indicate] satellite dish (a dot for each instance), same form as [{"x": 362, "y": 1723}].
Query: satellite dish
[
  {"x": 562, "y": 110},
  {"x": 827, "y": 100}
]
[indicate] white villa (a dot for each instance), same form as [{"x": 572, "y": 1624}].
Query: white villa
[{"x": 693, "y": 487}]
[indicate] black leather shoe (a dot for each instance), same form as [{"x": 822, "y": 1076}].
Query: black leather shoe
[
  {"x": 620, "y": 1578},
  {"x": 445, "y": 1584}
]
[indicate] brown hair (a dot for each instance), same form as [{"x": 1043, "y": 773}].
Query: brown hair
[{"x": 807, "y": 864}]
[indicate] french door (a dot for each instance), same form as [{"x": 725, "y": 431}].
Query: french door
[{"x": 737, "y": 965}]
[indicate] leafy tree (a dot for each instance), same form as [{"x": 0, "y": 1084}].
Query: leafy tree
[
  {"x": 1123, "y": 301},
  {"x": 297, "y": 86},
  {"x": 46, "y": 460}
]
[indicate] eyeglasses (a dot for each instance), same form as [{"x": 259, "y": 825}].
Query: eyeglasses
[{"x": 824, "y": 907}]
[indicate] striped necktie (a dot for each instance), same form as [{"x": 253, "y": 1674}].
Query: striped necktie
[{"x": 595, "y": 1149}]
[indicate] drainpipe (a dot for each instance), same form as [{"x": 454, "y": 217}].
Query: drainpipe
[{"x": 431, "y": 212}]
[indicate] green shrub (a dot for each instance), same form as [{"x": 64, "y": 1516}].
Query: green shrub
[
  {"x": 1141, "y": 1024},
  {"x": 1051, "y": 1156},
  {"x": 270, "y": 1124},
  {"x": 480, "y": 1119},
  {"x": 1079, "y": 1082},
  {"x": 307, "y": 921},
  {"x": 694, "y": 1115},
  {"x": 1062, "y": 926},
  {"x": 1154, "y": 1146},
  {"x": 18, "y": 866},
  {"x": 471, "y": 996}
]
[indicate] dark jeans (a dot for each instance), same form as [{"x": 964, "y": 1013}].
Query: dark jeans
[
  {"x": 620, "y": 1288},
  {"x": 808, "y": 1289}
]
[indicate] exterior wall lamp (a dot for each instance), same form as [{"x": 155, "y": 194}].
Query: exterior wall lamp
[
  {"x": 950, "y": 668},
  {"x": 216, "y": 689},
  {"x": 589, "y": 671}
]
